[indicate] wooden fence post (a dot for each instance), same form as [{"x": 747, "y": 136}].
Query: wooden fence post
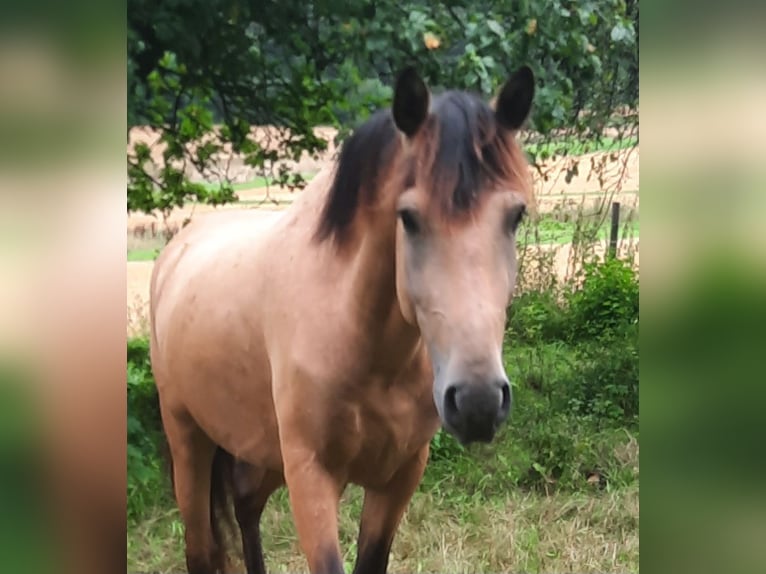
[{"x": 615, "y": 231}]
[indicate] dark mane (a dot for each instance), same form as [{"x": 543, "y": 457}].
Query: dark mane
[
  {"x": 363, "y": 157},
  {"x": 461, "y": 153}
]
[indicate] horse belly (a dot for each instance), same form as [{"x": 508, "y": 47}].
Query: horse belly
[
  {"x": 227, "y": 394},
  {"x": 238, "y": 415}
]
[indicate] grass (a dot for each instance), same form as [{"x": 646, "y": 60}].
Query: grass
[
  {"x": 551, "y": 230},
  {"x": 571, "y": 146},
  {"x": 143, "y": 254},
  {"x": 144, "y": 248},
  {"x": 449, "y": 527},
  {"x": 515, "y": 532},
  {"x": 249, "y": 184},
  {"x": 256, "y": 182}
]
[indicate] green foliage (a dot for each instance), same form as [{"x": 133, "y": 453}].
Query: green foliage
[
  {"x": 573, "y": 356},
  {"x": 545, "y": 446},
  {"x": 605, "y": 385},
  {"x": 219, "y": 67},
  {"x": 145, "y": 438},
  {"x": 444, "y": 447},
  {"x": 604, "y": 305},
  {"x": 537, "y": 316},
  {"x": 607, "y": 301}
]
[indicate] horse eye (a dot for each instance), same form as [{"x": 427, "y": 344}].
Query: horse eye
[
  {"x": 409, "y": 221},
  {"x": 515, "y": 217}
]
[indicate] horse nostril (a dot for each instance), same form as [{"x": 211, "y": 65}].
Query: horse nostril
[
  {"x": 506, "y": 402},
  {"x": 450, "y": 400}
]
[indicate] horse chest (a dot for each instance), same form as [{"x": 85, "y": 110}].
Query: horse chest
[
  {"x": 367, "y": 422},
  {"x": 390, "y": 427}
]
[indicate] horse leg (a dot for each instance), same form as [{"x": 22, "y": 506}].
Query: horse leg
[
  {"x": 314, "y": 497},
  {"x": 192, "y": 455},
  {"x": 252, "y": 488},
  {"x": 381, "y": 513}
]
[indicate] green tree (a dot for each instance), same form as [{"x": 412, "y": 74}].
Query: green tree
[{"x": 203, "y": 72}]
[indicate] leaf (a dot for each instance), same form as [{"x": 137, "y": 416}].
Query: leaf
[
  {"x": 621, "y": 33},
  {"x": 496, "y": 28}
]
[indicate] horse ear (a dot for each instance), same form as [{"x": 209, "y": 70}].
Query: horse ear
[
  {"x": 411, "y": 100},
  {"x": 515, "y": 99}
]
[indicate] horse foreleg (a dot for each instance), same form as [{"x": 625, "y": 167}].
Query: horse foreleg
[
  {"x": 314, "y": 496},
  {"x": 381, "y": 513},
  {"x": 252, "y": 488}
]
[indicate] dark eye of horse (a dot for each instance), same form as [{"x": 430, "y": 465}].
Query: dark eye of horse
[
  {"x": 514, "y": 218},
  {"x": 409, "y": 221}
]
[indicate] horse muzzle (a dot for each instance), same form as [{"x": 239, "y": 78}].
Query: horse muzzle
[{"x": 473, "y": 411}]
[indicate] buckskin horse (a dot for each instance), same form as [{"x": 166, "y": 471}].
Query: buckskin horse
[{"x": 325, "y": 345}]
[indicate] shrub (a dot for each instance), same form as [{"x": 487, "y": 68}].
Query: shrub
[
  {"x": 575, "y": 410},
  {"x": 574, "y": 361},
  {"x": 604, "y": 385},
  {"x": 536, "y": 316},
  {"x": 553, "y": 445},
  {"x": 542, "y": 448},
  {"x": 144, "y": 428},
  {"x": 607, "y": 301}
]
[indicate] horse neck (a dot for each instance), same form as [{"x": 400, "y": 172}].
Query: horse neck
[{"x": 373, "y": 296}]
